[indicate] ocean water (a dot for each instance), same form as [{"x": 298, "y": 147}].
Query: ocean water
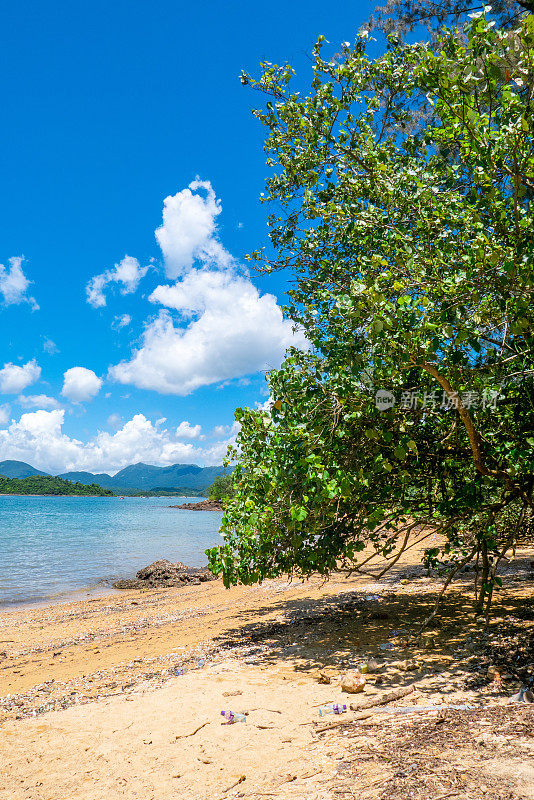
[{"x": 51, "y": 547}]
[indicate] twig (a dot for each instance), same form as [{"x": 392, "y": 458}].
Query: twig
[
  {"x": 185, "y": 735},
  {"x": 238, "y": 781},
  {"x": 272, "y": 710}
]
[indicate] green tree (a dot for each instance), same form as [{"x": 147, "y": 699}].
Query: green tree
[
  {"x": 412, "y": 252},
  {"x": 221, "y": 488},
  {"x": 407, "y": 16}
]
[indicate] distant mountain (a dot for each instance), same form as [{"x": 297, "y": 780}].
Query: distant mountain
[
  {"x": 102, "y": 479},
  {"x": 140, "y": 476},
  {"x": 19, "y": 469},
  {"x": 146, "y": 476}
]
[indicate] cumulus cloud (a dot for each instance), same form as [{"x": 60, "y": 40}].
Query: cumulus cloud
[
  {"x": 15, "y": 378},
  {"x": 80, "y": 384},
  {"x": 37, "y": 437},
  {"x": 187, "y": 431},
  {"x": 38, "y": 401},
  {"x": 5, "y": 413},
  {"x": 121, "y": 321},
  {"x": 127, "y": 273},
  {"x": 213, "y": 348},
  {"x": 221, "y": 327},
  {"x": 14, "y": 284},
  {"x": 188, "y": 232}
]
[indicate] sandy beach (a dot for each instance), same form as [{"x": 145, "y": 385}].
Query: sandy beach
[{"x": 120, "y": 696}]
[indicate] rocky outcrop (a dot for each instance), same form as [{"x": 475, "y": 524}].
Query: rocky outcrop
[
  {"x": 164, "y": 573},
  {"x": 202, "y": 505}
]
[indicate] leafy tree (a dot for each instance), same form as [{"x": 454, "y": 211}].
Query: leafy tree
[
  {"x": 413, "y": 260},
  {"x": 221, "y": 488},
  {"x": 406, "y": 16},
  {"x": 49, "y": 485}
]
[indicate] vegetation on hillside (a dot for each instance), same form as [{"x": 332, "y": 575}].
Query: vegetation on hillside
[
  {"x": 221, "y": 488},
  {"x": 48, "y": 485},
  {"x": 411, "y": 248}
]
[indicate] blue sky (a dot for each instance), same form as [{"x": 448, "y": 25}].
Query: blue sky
[{"x": 109, "y": 109}]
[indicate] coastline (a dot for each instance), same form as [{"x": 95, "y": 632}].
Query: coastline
[
  {"x": 66, "y": 597},
  {"x": 126, "y": 689}
]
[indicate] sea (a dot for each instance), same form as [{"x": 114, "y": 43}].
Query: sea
[{"x": 60, "y": 548}]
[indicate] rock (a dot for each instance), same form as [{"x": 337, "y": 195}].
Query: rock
[
  {"x": 164, "y": 573},
  {"x": 202, "y": 505},
  {"x": 324, "y": 678},
  {"x": 407, "y": 665},
  {"x": 523, "y": 696},
  {"x": 494, "y": 673},
  {"x": 353, "y": 682}
]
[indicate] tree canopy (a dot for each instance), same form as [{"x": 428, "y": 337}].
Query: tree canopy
[
  {"x": 49, "y": 485},
  {"x": 412, "y": 412},
  {"x": 222, "y": 487},
  {"x": 407, "y": 16}
]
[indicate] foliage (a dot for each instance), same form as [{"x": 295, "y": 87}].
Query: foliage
[
  {"x": 221, "y": 488},
  {"x": 413, "y": 259},
  {"x": 48, "y": 485},
  {"x": 405, "y": 16}
]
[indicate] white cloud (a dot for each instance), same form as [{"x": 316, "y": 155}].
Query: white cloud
[
  {"x": 187, "y": 431},
  {"x": 39, "y": 401},
  {"x": 248, "y": 336},
  {"x": 127, "y": 272},
  {"x": 5, "y": 413},
  {"x": 38, "y": 438},
  {"x": 14, "y": 284},
  {"x": 50, "y": 347},
  {"x": 114, "y": 421},
  {"x": 222, "y": 327},
  {"x": 188, "y": 232},
  {"x": 14, "y": 379},
  {"x": 80, "y": 384},
  {"x": 121, "y": 321}
]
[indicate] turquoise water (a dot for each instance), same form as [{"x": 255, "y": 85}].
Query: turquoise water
[{"x": 54, "y": 546}]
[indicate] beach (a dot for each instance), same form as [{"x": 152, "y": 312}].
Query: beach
[{"x": 120, "y": 696}]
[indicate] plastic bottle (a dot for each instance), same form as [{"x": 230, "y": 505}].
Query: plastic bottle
[
  {"x": 332, "y": 708},
  {"x": 233, "y": 716}
]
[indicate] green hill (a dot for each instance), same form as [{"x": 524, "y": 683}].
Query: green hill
[
  {"x": 18, "y": 469},
  {"x": 48, "y": 485}
]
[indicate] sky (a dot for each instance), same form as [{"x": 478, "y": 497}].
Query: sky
[{"x": 131, "y": 170}]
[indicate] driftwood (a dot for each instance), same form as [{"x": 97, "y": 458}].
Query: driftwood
[{"x": 381, "y": 700}]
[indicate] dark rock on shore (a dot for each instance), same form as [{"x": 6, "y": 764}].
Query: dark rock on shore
[
  {"x": 202, "y": 505},
  {"x": 164, "y": 573}
]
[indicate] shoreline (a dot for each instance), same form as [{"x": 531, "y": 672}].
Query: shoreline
[
  {"x": 113, "y": 496},
  {"x": 126, "y": 689},
  {"x": 67, "y": 597}
]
